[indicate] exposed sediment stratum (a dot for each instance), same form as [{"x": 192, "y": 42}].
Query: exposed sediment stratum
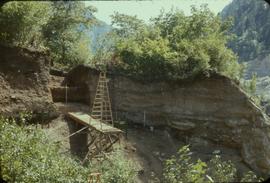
[
  {"x": 24, "y": 78},
  {"x": 210, "y": 108}
]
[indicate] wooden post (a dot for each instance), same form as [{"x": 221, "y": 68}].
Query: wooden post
[
  {"x": 144, "y": 119},
  {"x": 66, "y": 94}
]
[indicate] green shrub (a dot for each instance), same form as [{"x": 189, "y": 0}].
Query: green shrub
[
  {"x": 174, "y": 46},
  {"x": 181, "y": 169},
  {"x": 116, "y": 169},
  {"x": 28, "y": 156},
  {"x": 221, "y": 171}
]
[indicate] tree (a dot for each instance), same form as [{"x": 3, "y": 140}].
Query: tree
[
  {"x": 66, "y": 27},
  {"x": 252, "y": 84},
  {"x": 104, "y": 52},
  {"x": 174, "y": 46},
  {"x": 21, "y": 22},
  {"x": 58, "y": 26}
]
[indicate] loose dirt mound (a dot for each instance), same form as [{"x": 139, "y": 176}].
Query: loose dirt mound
[{"x": 24, "y": 78}]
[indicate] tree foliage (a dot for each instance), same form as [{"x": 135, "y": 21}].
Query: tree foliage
[
  {"x": 20, "y": 22},
  {"x": 65, "y": 32},
  {"x": 181, "y": 169},
  {"x": 251, "y": 25},
  {"x": 116, "y": 169},
  {"x": 174, "y": 46},
  {"x": 60, "y": 27}
]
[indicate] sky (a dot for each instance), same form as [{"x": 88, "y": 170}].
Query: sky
[{"x": 147, "y": 9}]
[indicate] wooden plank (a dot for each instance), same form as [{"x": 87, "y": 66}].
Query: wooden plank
[{"x": 87, "y": 120}]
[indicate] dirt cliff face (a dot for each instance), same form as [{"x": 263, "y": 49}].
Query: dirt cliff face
[
  {"x": 212, "y": 109},
  {"x": 24, "y": 77}
]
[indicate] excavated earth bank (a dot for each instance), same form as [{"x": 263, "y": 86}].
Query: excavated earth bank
[
  {"x": 24, "y": 78},
  {"x": 205, "y": 110}
]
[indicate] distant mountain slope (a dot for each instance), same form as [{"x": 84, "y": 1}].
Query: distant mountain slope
[
  {"x": 98, "y": 31},
  {"x": 252, "y": 27},
  {"x": 252, "y": 43}
]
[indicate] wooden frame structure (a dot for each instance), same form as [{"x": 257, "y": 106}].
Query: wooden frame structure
[
  {"x": 95, "y": 178},
  {"x": 102, "y": 136},
  {"x": 101, "y": 132}
]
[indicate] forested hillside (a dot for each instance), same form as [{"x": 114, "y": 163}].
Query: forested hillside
[
  {"x": 252, "y": 39},
  {"x": 251, "y": 27}
]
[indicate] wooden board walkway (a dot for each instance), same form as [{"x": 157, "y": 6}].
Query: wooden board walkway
[{"x": 92, "y": 123}]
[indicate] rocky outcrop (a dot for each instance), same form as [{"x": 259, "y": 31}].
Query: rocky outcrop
[
  {"x": 210, "y": 108},
  {"x": 24, "y": 78}
]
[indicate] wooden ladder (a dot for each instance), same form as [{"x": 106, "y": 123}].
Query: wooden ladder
[{"x": 101, "y": 109}]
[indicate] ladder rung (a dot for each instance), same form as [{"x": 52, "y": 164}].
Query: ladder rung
[
  {"x": 97, "y": 100},
  {"x": 93, "y": 111},
  {"x": 97, "y": 103}
]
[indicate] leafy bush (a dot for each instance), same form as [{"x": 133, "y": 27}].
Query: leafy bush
[
  {"x": 250, "y": 87},
  {"x": 27, "y": 155},
  {"x": 116, "y": 169},
  {"x": 174, "y": 46},
  {"x": 181, "y": 169},
  {"x": 21, "y": 22},
  {"x": 58, "y": 27},
  {"x": 221, "y": 171}
]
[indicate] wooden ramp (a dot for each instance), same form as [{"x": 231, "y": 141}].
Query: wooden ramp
[{"x": 102, "y": 136}]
